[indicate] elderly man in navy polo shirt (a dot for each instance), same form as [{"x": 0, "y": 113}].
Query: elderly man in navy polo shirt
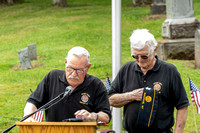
[{"x": 147, "y": 71}]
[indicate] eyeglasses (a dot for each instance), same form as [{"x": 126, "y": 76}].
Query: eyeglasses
[
  {"x": 141, "y": 56},
  {"x": 79, "y": 71}
]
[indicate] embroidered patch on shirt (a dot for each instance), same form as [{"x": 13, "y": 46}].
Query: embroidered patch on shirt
[
  {"x": 157, "y": 86},
  {"x": 84, "y": 98},
  {"x": 148, "y": 99}
]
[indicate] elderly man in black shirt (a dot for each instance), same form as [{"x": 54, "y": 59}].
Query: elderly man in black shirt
[
  {"x": 148, "y": 71},
  {"x": 88, "y": 99}
]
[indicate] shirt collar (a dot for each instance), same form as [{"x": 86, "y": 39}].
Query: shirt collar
[
  {"x": 63, "y": 79},
  {"x": 157, "y": 64}
]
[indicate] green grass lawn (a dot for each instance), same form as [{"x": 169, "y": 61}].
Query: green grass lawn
[{"x": 56, "y": 30}]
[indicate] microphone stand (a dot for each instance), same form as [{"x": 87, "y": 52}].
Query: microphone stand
[{"x": 47, "y": 105}]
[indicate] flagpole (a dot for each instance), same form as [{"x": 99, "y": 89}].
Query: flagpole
[
  {"x": 194, "y": 118},
  {"x": 116, "y": 58}
]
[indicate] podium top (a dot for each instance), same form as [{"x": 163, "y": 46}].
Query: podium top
[
  {"x": 57, "y": 123},
  {"x": 57, "y": 127}
]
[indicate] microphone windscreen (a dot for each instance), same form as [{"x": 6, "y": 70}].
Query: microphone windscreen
[{"x": 69, "y": 88}]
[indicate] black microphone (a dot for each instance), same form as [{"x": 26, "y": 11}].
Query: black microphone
[
  {"x": 79, "y": 119},
  {"x": 68, "y": 91}
]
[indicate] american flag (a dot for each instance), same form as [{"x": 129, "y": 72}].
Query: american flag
[
  {"x": 38, "y": 116},
  {"x": 195, "y": 94},
  {"x": 108, "y": 84}
]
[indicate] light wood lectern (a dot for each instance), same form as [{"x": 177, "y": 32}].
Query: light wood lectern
[{"x": 57, "y": 127}]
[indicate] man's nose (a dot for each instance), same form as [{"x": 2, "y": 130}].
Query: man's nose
[
  {"x": 140, "y": 58},
  {"x": 74, "y": 73}
]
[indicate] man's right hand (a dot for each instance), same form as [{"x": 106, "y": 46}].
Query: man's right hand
[
  {"x": 29, "y": 108},
  {"x": 121, "y": 99},
  {"x": 136, "y": 95}
]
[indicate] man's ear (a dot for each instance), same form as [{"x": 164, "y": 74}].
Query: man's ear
[
  {"x": 89, "y": 66},
  {"x": 65, "y": 60},
  {"x": 156, "y": 49}
]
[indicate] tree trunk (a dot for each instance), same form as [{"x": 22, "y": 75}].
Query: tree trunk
[{"x": 60, "y": 3}]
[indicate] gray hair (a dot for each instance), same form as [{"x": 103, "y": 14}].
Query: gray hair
[
  {"x": 140, "y": 38},
  {"x": 79, "y": 51}
]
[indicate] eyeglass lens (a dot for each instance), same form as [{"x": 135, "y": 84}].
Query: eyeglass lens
[
  {"x": 141, "y": 56},
  {"x": 69, "y": 69}
]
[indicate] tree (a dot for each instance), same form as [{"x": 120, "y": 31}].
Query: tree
[{"x": 60, "y": 3}]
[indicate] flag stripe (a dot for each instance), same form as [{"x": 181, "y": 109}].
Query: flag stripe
[
  {"x": 38, "y": 116},
  {"x": 192, "y": 96},
  {"x": 196, "y": 95}
]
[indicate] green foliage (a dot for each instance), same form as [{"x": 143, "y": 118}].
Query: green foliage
[{"x": 56, "y": 30}]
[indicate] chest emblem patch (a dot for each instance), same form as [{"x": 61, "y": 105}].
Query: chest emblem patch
[
  {"x": 148, "y": 99},
  {"x": 157, "y": 86},
  {"x": 84, "y": 98}
]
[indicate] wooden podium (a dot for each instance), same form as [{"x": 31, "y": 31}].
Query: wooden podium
[{"x": 57, "y": 127}]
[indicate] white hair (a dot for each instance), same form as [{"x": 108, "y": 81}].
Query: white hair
[
  {"x": 140, "y": 38},
  {"x": 79, "y": 51}
]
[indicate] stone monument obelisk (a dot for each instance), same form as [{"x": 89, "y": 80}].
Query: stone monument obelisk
[{"x": 179, "y": 29}]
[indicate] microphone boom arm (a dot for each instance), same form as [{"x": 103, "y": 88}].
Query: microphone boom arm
[{"x": 46, "y": 106}]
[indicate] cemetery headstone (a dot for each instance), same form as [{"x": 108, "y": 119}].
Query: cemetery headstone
[
  {"x": 158, "y": 7},
  {"x": 197, "y": 49},
  {"x": 141, "y": 2},
  {"x": 178, "y": 31},
  {"x": 24, "y": 59},
  {"x": 180, "y": 22},
  {"x": 32, "y": 51}
]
